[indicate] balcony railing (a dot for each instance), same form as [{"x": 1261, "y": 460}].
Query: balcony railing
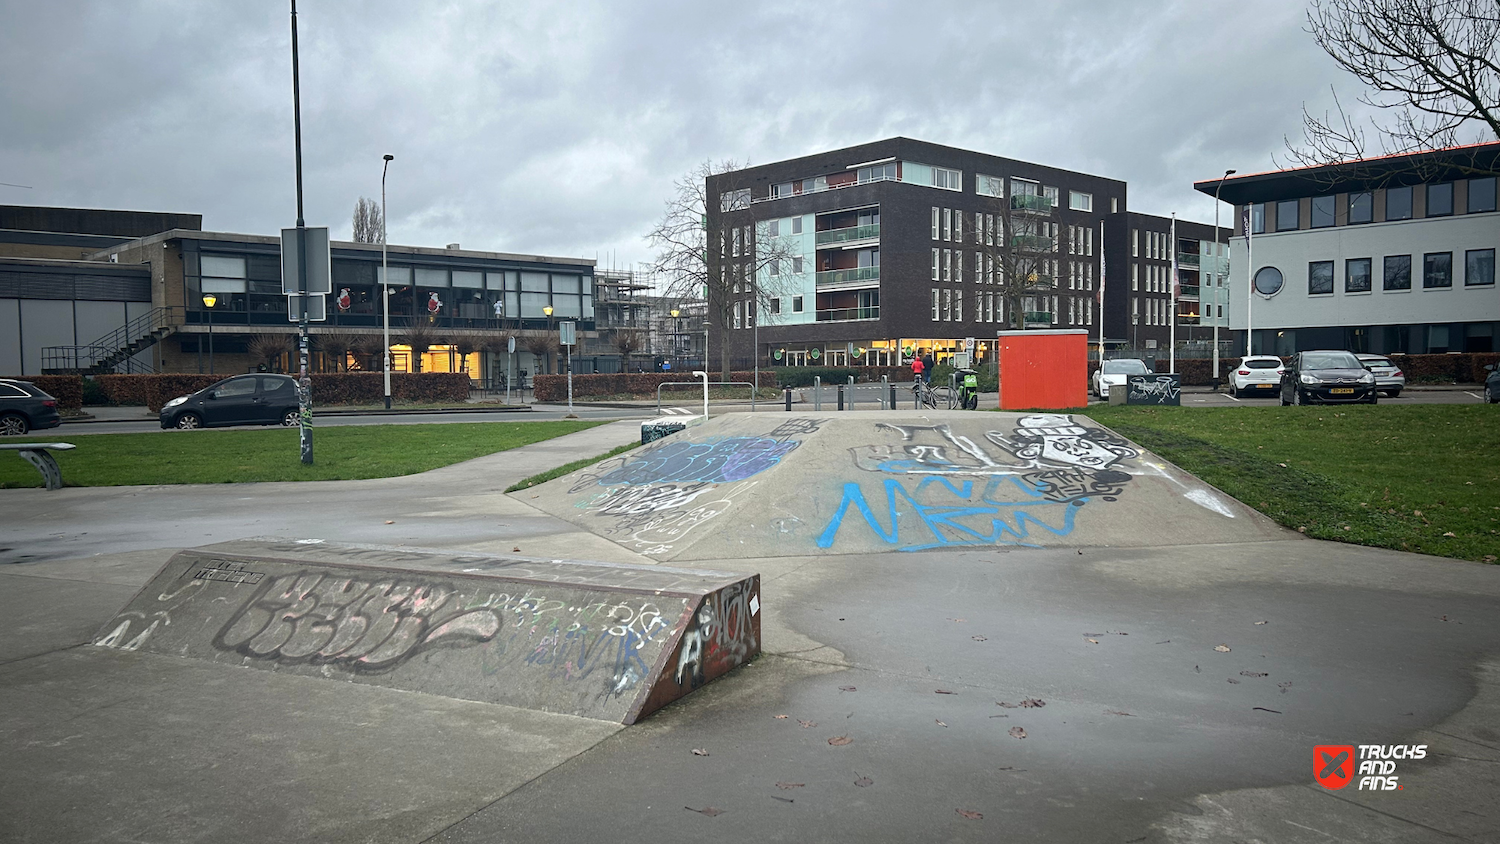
[
  {"x": 1188, "y": 291},
  {"x": 845, "y": 276},
  {"x": 1035, "y": 319},
  {"x": 1030, "y": 203},
  {"x": 1030, "y": 242},
  {"x": 848, "y": 314},
  {"x": 826, "y": 187},
  {"x": 848, "y": 234},
  {"x": 1188, "y": 259}
]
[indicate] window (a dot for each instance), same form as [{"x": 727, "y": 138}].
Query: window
[
  {"x": 945, "y": 178},
  {"x": 776, "y": 306},
  {"x": 1479, "y": 266},
  {"x": 877, "y": 173},
  {"x": 734, "y": 200},
  {"x": 989, "y": 230},
  {"x": 1397, "y": 272},
  {"x": 958, "y": 265},
  {"x": 1437, "y": 269},
  {"x": 935, "y": 216},
  {"x": 1135, "y": 243},
  {"x": 1114, "y": 205},
  {"x": 796, "y": 225},
  {"x": 1080, "y": 201},
  {"x": 223, "y": 274},
  {"x": 947, "y": 265},
  {"x": 1319, "y": 278},
  {"x": 1361, "y": 207},
  {"x": 782, "y": 190},
  {"x": 989, "y": 185},
  {"x": 796, "y": 304},
  {"x": 1135, "y": 276},
  {"x": 1051, "y": 194},
  {"x": 1398, "y": 203},
  {"x": 947, "y": 304},
  {"x": 1088, "y": 241},
  {"x": 1268, "y": 281},
  {"x": 935, "y": 295},
  {"x": 775, "y": 266},
  {"x": 1322, "y": 212},
  {"x": 738, "y": 240},
  {"x": 1357, "y": 275},
  {"x": 737, "y": 314},
  {"x": 1481, "y": 195},
  {"x": 1440, "y": 200},
  {"x": 797, "y": 265},
  {"x": 934, "y": 263},
  {"x": 1258, "y": 218},
  {"x": 947, "y": 224},
  {"x": 978, "y": 267},
  {"x": 773, "y": 228},
  {"x": 1286, "y": 215},
  {"x": 958, "y": 307}
]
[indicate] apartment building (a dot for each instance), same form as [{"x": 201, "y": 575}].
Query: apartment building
[
  {"x": 1140, "y": 302},
  {"x": 901, "y": 246},
  {"x": 1387, "y": 255}
]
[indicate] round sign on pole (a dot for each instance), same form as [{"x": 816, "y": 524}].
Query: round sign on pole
[{"x": 510, "y": 346}]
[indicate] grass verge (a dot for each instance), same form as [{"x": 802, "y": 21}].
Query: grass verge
[
  {"x": 271, "y": 454},
  {"x": 569, "y": 467},
  {"x": 1422, "y": 478}
]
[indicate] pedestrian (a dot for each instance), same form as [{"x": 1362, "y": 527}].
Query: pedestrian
[
  {"x": 916, "y": 368},
  {"x": 927, "y": 366}
]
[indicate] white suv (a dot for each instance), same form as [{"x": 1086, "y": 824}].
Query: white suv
[{"x": 1256, "y": 374}]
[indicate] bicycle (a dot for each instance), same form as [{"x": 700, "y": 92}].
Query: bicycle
[{"x": 924, "y": 394}]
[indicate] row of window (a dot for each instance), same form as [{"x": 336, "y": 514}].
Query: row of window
[
  {"x": 1080, "y": 240},
  {"x": 1437, "y": 273},
  {"x": 948, "y": 265},
  {"x": 1157, "y": 277},
  {"x": 1157, "y": 311},
  {"x": 1359, "y": 206},
  {"x": 1158, "y": 245},
  {"x": 941, "y": 177}
]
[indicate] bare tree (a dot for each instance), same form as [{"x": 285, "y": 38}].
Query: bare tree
[
  {"x": 369, "y": 351},
  {"x": 1015, "y": 253},
  {"x": 544, "y": 346},
  {"x": 1431, "y": 69},
  {"x": 267, "y": 349},
  {"x": 420, "y": 337},
  {"x": 335, "y": 346},
  {"x": 369, "y": 223},
  {"x": 707, "y": 247},
  {"x": 465, "y": 343},
  {"x": 627, "y": 342}
]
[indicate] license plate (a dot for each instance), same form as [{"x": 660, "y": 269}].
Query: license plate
[
  {"x": 1265, "y": 386},
  {"x": 1342, "y": 391}
]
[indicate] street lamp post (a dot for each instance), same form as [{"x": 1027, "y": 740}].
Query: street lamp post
[
  {"x": 1227, "y": 174},
  {"x": 208, "y": 302},
  {"x": 676, "y": 331},
  {"x": 548, "y": 311},
  {"x": 385, "y": 283},
  {"x": 705, "y": 344}
]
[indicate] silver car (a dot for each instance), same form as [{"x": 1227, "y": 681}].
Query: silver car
[{"x": 1388, "y": 376}]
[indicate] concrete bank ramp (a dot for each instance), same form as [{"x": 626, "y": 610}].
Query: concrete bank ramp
[
  {"x": 779, "y": 484},
  {"x": 605, "y": 641}
]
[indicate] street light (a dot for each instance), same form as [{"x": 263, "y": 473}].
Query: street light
[
  {"x": 548, "y": 311},
  {"x": 705, "y": 342},
  {"x": 1227, "y": 174},
  {"x": 676, "y": 331},
  {"x": 385, "y": 283},
  {"x": 208, "y": 302}
]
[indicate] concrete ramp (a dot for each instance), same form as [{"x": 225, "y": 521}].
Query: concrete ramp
[
  {"x": 779, "y": 484},
  {"x": 611, "y": 642}
]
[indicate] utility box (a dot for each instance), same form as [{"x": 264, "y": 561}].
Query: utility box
[
  {"x": 1043, "y": 370},
  {"x": 1117, "y": 394}
]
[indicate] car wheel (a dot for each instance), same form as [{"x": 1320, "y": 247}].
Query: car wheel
[
  {"x": 14, "y": 425},
  {"x": 1374, "y": 398},
  {"x": 1491, "y": 395},
  {"x": 291, "y": 419},
  {"x": 1233, "y": 391},
  {"x": 189, "y": 421},
  {"x": 1282, "y": 395},
  {"x": 1394, "y": 393},
  {"x": 1298, "y": 399}
]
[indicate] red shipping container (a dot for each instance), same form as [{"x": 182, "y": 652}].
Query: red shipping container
[{"x": 1044, "y": 369}]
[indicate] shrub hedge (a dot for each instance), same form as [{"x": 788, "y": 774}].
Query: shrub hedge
[
  {"x": 67, "y": 389},
  {"x": 1466, "y": 368},
  {"x": 328, "y": 388}
]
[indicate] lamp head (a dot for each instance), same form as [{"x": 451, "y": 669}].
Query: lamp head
[
  {"x": 389, "y": 157},
  {"x": 209, "y": 299},
  {"x": 1230, "y": 172},
  {"x": 547, "y": 310},
  {"x": 675, "y": 312}
]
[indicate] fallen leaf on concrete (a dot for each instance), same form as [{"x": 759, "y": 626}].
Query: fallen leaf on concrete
[
  {"x": 1234, "y": 681},
  {"x": 698, "y": 751},
  {"x": 390, "y": 521},
  {"x": 1118, "y": 632},
  {"x": 1163, "y": 641},
  {"x": 840, "y": 741},
  {"x": 940, "y": 723},
  {"x": 1254, "y": 674},
  {"x": 1017, "y": 732},
  {"x": 779, "y": 717},
  {"x": 1008, "y": 768},
  {"x": 979, "y": 638},
  {"x": 848, "y": 688},
  {"x": 1000, "y": 716},
  {"x": 1117, "y": 712},
  {"x": 973, "y": 816},
  {"x": 1223, "y": 649},
  {"x": 783, "y": 799},
  {"x": 516, "y": 550},
  {"x": 864, "y": 782},
  {"x": 786, "y": 785},
  {"x": 1263, "y": 709},
  {"x": 1262, "y": 622},
  {"x": 1093, "y": 634},
  {"x": 943, "y": 692},
  {"x": 706, "y": 810},
  {"x": 1197, "y": 670},
  {"x": 807, "y": 724},
  {"x": 1033, "y": 703},
  {"x": 959, "y": 620},
  {"x": 1007, "y": 705},
  {"x": 1091, "y": 641}
]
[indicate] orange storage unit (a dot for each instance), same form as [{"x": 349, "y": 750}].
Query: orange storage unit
[{"x": 1044, "y": 370}]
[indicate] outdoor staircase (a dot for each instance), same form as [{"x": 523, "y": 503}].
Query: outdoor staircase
[{"x": 115, "y": 351}]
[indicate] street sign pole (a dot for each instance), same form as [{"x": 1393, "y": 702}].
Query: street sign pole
[
  {"x": 568, "y": 334},
  {"x": 304, "y": 383},
  {"x": 510, "y": 366}
]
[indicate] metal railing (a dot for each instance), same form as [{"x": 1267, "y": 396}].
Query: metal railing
[
  {"x": 1031, "y": 202},
  {"x": 753, "y": 391},
  {"x": 118, "y": 347},
  {"x": 827, "y": 187},
  {"x": 1031, "y": 243},
  {"x": 844, "y": 276},
  {"x": 847, "y": 234},
  {"x": 848, "y": 314}
]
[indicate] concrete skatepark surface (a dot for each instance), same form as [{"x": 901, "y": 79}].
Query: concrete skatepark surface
[{"x": 925, "y": 660}]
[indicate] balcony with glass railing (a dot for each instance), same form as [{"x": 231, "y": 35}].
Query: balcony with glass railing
[
  {"x": 1036, "y": 319},
  {"x": 1188, "y": 291},
  {"x": 850, "y": 275},
  {"x": 1030, "y": 203},
  {"x": 1188, "y": 259},
  {"x": 1030, "y": 243},
  {"x": 848, "y": 314},
  {"x": 848, "y": 235}
]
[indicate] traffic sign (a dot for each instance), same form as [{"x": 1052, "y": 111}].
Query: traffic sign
[
  {"x": 317, "y": 308},
  {"x": 319, "y": 266},
  {"x": 567, "y": 333}
]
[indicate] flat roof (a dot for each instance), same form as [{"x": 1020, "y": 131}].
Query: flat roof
[
  {"x": 392, "y": 249},
  {"x": 1360, "y": 174}
]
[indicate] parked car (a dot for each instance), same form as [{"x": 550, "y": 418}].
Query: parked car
[
  {"x": 24, "y": 407},
  {"x": 1492, "y": 384},
  {"x": 241, "y": 400},
  {"x": 1327, "y": 377},
  {"x": 1389, "y": 379},
  {"x": 1116, "y": 372},
  {"x": 1256, "y": 373}
]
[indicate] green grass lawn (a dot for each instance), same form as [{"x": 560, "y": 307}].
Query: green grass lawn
[
  {"x": 235, "y": 455},
  {"x": 1422, "y": 478}
]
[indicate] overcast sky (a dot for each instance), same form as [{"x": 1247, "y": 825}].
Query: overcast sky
[{"x": 557, "y": 128}]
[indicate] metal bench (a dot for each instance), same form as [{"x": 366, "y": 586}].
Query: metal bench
[{"x": 37, "y": 455}]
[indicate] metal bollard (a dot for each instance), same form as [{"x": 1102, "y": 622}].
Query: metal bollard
[
  {"x": 851, "y": 392},
  {"x": 817, "y": 392},
  {"x": 885, "y": 381},
  {"x": 893, "y": 397},
  {"x": 841, "y": 397},
  {"x": 788, "y": 396}
]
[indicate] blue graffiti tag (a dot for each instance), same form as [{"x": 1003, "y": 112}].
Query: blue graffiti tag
[
  {"x": 964, "y": 522},
  {"x": 715, "y": 460}
]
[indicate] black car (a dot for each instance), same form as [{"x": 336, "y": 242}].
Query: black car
[
  {"x": 1327, "y": 377},
  {"x": 25, "y": 408},
  {"x": 241, "y": 400},
  {"x": 1492, "y": 384}
]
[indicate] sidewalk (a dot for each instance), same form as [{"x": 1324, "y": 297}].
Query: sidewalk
[{"x": 139, "y": 413}]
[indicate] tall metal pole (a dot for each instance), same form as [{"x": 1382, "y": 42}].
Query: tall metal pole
[
  {"x": 304, "y": 383},
  {"x": 1172, "y": 333},
  {"x": 210, "y": 338},
  {"x": 1218, "y": 282},
  {"x": 755, "y": 338},
  {"x": 385, "y": 282},
  {"x": 1249, "y": 275}
]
